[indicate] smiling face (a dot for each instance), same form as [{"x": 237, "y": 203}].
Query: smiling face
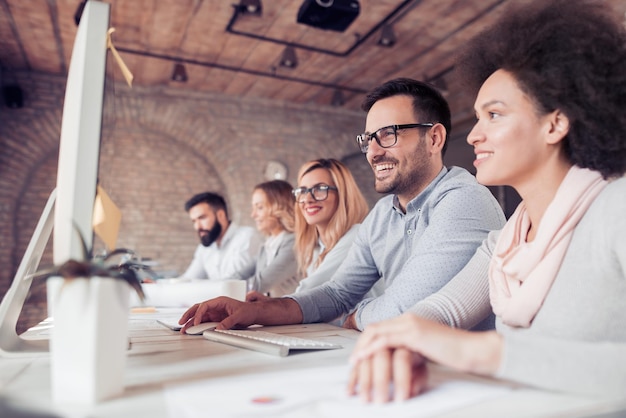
[
  {"x": 514, "y": 145},
  {"x": 406, "y": 168},
  {"x": 266, "y": 223},
  {"x": 318, "y": 213}
]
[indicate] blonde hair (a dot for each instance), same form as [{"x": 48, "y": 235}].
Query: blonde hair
[
  {"x": 281, "y": 201},
  {"x": 351, "y": 209}
]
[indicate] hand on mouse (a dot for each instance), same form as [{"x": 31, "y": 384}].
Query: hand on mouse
[
  {"x": 227, "y": 311},
  {"x": 231, "y": 313}
]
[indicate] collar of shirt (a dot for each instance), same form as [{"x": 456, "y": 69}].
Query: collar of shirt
[
  {"x": 418, "y": 201},
  {"x": 320, "y": 245}
]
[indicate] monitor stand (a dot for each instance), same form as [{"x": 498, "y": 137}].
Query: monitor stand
[{"x": 11, "y": 344}]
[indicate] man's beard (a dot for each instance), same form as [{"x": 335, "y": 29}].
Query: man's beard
[
  {"x": 211, "y": 235},
  {"x": 409, "y": 181}
]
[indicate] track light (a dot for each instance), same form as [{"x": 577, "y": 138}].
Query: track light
[
  {"x": 180, "y": 73},
  {"x": 289, "y": 58},
  {"x": 337, "y": 99},
  {"x": 79, "y": 11},
  {"x": 13, "y": 96},
  {"x": 334, "y": 15},
  {"x": 387, "y": 36},
  {"x": 251, "y": 7}
]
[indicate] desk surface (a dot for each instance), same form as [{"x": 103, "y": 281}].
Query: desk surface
[{"x": 161, "y": 362}]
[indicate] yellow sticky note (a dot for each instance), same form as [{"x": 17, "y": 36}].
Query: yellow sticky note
[{"x": 106, "y": 218}]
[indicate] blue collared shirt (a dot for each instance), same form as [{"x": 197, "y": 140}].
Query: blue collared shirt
[{"x": 413, "y": 253}]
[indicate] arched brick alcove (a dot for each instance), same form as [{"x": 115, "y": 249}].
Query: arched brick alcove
[{"x": 158, "y": 148}]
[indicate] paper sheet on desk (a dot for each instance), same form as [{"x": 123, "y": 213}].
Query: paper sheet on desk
[{"x": 317, "y": 392}]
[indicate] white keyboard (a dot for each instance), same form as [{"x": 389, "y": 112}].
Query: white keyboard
[{"x": 266, "y": 342}]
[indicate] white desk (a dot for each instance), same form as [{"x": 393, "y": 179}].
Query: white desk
[{"x": 160, "y": 360}]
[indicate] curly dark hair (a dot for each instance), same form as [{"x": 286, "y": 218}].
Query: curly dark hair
[
  {"x": 428, "y": 103},
  {"x": 568, "y": 55}
]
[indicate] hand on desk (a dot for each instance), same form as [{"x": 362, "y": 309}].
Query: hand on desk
[
  {"x": 370, "y": 378},
  {"x": 395, "y": 352},
  {"x": 231, "y": 313}
]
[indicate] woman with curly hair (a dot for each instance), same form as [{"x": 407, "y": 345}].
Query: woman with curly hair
[
  {"x": 276, "y": 267},
  {"x": 550, "y": 123}
]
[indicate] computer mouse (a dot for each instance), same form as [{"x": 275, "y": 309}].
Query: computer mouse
[{"x": 200, "y": 328}]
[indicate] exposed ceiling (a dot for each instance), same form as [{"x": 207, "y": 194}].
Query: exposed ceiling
[{"x": 228, "y": 51}]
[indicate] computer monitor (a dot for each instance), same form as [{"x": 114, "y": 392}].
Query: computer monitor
[{"x": 70, "y": 206}]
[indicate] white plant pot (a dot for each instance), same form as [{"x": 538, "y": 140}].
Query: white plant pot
[{"x": 89, "y": 340}]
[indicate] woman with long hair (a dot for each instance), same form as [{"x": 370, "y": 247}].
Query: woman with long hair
[{"x": 330, "y": 209}]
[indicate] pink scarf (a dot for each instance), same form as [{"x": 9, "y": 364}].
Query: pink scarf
[{"x": 521, "y": 273}]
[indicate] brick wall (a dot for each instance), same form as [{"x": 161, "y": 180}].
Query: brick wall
[{"x": 159, "y": 147}]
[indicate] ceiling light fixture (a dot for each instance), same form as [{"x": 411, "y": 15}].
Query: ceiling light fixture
[
  {"x": 323, "y": 24},
  {"x": 387, "y": 36},
  {"x": 334, "y": 15},
  {"x": 13, "y": 96},
  {"x": 250, "y": 7},
  {"x": 180, "y": 73},
  {"x": 242, "y": 70},
  {"x": 289, "y": 58}
]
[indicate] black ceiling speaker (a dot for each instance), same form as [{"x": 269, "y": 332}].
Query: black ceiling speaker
[
  {"x": 13, "y": 96},
  {"x": 334, "y": 15}
]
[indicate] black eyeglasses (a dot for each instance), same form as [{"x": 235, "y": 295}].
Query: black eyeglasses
[
  {"x": 318, "y": 192},
  {"x": 387, "y": 136}
]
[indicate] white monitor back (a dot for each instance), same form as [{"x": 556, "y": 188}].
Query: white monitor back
[
  {"x": 79, "y": 150},
  {"x": 76, "y": 176}
]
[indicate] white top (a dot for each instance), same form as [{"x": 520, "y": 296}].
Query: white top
[{"x": 230, "y": 259}]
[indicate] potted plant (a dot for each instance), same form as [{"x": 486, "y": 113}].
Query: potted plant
[{"x": 89, "y": 339}]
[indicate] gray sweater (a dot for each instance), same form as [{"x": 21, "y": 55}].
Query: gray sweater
[{"x": 577, "y": 341}]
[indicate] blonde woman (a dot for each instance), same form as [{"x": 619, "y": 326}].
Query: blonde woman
[
  {"x": 330, "y": 209},
  {"x": 276, "y": 266}
]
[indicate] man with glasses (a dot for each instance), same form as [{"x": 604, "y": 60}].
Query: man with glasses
[{"x": 413, "y": 241}]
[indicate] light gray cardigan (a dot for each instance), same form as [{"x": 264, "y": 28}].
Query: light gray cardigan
[
  {"x": 577, "y": 341},
  {"x": 280, "y": 277}
]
